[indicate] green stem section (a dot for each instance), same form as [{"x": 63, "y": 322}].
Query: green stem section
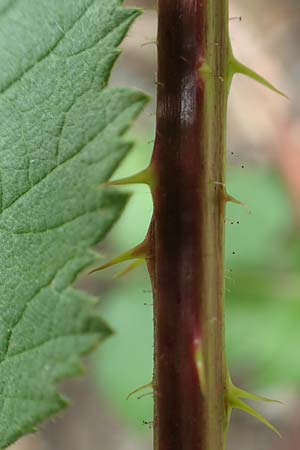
[{"x": 187, "y": 231}]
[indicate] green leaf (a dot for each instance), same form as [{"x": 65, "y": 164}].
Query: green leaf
[{"x": 60, "y": 138}]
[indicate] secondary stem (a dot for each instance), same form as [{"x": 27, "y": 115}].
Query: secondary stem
[{"x": 187, "y": 238}]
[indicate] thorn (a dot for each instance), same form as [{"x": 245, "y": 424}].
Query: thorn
[
  {"x": 244, "y": 394},
  {"x": 130, "y": 268},
  {"x": 151, "y": 42},
  {"x": 139, "y": 252},
  {"x": 145, "y": 395},
  {"x": 237, "y": 67},
  {"x": 141, "y": 388},
  {"x": 236, "y": 18},
  {"x": 239, "y": 404},
  {"x": 231, "y": 199},
  {"x": 228, "y": 418},
  {"x": 145, "y": 176},
  {"x": 234, "y": 395}
]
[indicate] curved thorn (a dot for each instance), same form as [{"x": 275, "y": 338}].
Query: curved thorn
[
  {"x": 244, "y": 394},
  {"x": 121, "y": 258},
  {"x": 130, "y": 268},
  {"x": 139, "y": 252},
  {"x": 237, "y": 67},
  {"x": 234, "y": 401},
  {"x": 141, "y": 388},
  {"x": 151, "y": 42},
  {"x": 239, "y": 404},
  {"x": 234, "y": 395},
  {"x": 147, "y": 394},
  {"x": 231, "y": 199}
]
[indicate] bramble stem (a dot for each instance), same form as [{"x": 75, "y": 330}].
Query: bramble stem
[{"x": 187, "y": 238}]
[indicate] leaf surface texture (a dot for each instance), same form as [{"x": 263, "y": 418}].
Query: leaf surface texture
[{"x": 60, "y": 138}]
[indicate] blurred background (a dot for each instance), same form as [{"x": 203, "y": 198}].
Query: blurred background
[{"x": 262, "y": 255}]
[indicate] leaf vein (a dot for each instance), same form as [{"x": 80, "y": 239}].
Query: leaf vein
[
  {"x": 48, "y": 52},
  {"x": 44, "y": 343},
  {"x": 66, "y": 161},
  {"x": 55, "y": 227}
]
